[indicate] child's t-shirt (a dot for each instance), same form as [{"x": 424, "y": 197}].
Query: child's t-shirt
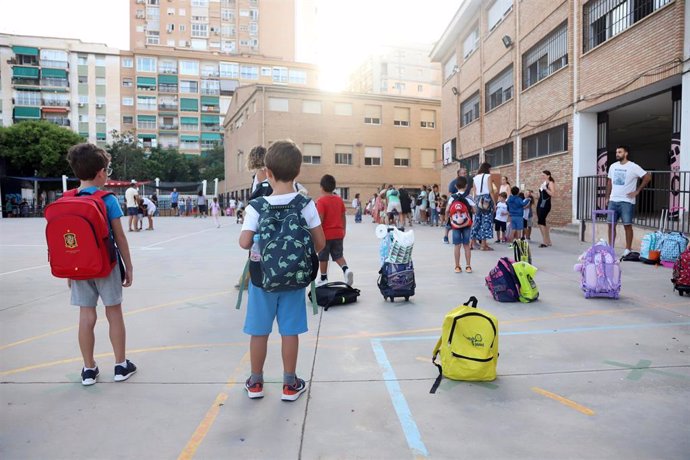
[
  {"x": 112, "y": 206},
  {"x": 215, "y": 207},
  {"x": 332, "y": 208},
  {"x": 501, "y": 211},
  {"x": 527, "y": 212},
  {"x": 251, "y": 217},
  {"x": 515, "y": 206}
]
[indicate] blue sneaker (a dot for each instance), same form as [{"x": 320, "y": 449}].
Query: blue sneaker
[
  {"x": 89, "y": 376},
  {"x": 122, "y": 373},
  {"x": 445, "y": 240}
]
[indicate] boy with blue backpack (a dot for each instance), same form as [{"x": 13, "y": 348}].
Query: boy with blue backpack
[{"x": 285, "y": 229}]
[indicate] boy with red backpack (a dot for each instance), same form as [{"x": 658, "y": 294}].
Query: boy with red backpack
[
  {"x": 459, "y": 212},
  {"x": 85, "y": 241}
]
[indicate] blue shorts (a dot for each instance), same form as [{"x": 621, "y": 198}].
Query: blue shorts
[
  {"x": 132, "y": 211},
  {"x": 517, "y": 223},
  {"x": 289, "y": 307},
  {"x": 622, "y": 210},
  {"x": 462, "y": 235}
]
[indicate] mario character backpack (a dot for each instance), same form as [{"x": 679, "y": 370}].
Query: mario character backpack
[
  {"x": 460, "y": 212},
  {"x": 80, "y": 244}
]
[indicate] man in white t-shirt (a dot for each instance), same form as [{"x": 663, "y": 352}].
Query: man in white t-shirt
[
  {"x": 132, "y": 200},
  {"x": 622, "y": 189}
]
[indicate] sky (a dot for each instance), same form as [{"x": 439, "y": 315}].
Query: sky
[{"x": 347, "y": 30}]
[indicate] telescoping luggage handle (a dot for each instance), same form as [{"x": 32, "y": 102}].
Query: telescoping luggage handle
[{"x": 602, "y": 212}]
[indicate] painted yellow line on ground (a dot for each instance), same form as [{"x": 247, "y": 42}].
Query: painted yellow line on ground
[
  {"x": 129, "y": 313},
  {"x": 207, "y": 422},
  {"x": 564, "y": 401}
]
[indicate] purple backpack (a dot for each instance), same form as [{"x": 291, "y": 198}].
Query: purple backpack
[
  {"x": 502, "y": 282},
  {"x": 601, "y": 272}
]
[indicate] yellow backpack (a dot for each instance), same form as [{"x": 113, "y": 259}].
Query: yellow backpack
[{"x": 468, "y": 345}]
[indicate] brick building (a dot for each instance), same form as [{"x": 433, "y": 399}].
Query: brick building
[{"x": 541, "y": 84}]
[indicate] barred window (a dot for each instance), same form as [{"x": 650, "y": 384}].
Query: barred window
[
  {"x": 552, "y": 140},
  {"x": 545, "y": 57},
  {"x": 469, "y": 110},
  {"x": 499, "y": 156},
  {"x": 500, "y": 89},
  {"x": 471, "y": 164}
]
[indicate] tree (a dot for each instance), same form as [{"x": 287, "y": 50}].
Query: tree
[
  {"x": 212, "y": 163},
  {"x": 169, "y": 165},
  {"x": 127, "y": 158},
  {"x": 37, "y": 146}
]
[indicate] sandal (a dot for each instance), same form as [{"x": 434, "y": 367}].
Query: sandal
[
  {"x": 458, "y": 269},
  {"x": 543, "y": 245},
  {"x": 468, "y": 269}
]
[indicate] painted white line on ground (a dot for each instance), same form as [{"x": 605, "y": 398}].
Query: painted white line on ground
[
  {"x": 23, "y": 245},
  {"x": 178, "y": 238},
  {"x": 24, "y": 269}
]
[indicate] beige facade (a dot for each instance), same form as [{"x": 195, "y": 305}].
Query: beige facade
[
  {"x": 524, "y": 83},
  {"x": 399, "y": 71},
  {"x": 363, "y": 140},
  {"x": 65, "y": 81}
]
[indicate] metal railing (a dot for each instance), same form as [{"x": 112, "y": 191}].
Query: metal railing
[{"x": 667, "y": 190}]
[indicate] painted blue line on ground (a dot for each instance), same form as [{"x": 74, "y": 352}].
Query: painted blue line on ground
[
  {"x": 412, "y": 435},
  {"x": 550, "y": 331}
]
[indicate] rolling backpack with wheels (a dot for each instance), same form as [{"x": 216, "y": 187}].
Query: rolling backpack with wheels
[
  {"x": 599, "y": 267},
  {"x": 396, "y": 280},
  {"x": 681, "y": 273}
]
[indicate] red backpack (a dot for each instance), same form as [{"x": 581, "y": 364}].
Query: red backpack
[
  {"x": 681, "y": 273},
  {"x": 459, "y": 213},
  {"x": 80, "y": 246}
]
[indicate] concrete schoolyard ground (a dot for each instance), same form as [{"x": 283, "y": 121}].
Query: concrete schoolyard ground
[{"x": 577, "y": 378}]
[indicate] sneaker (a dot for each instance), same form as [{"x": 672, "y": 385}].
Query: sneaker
[
  {"x": 349, "y": 277},
  {"x": 445, "y": 239},
  {"x": 123, "y": 373},
  {"x": 254, "y": 391},
  {"x": 292, "y": 392},
  {"x": 321, "y": 282},
  {"x": 89, "y": 376},
  {"x": 626, "y": 252}
]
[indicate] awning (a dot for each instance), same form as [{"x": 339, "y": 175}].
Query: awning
[
  {"x": 84, "y": 134},
  {"x": 146, "y": 136},
  {"x": 27, "y": 113},
  {"x": 167, "y": 79},
  {"x": 211, "y": 137},
  {"x": 53, "y": 73},
  {"x": 210, "y": 119},
  {"x": 188, "y": 138},
  {"x": 25, "y": 72},
  {"x": 146, "y": 118},
  {"x": 146, "y": 81},
  {"x": 210, "y": 100},
  {"x": 54, "y": 109},
  {"x": 25, "y": 50},
  {"x": 100, "y": 135},
  {"x": 190, "y": 105},
  {"x": 189, "y": 120}
]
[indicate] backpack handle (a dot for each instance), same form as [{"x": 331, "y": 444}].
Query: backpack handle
[{"x": 471, "y": 302}]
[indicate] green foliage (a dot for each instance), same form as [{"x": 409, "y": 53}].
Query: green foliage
[
  {"x": 37, "y": 146},
  {"x": 212, "y": 163}
]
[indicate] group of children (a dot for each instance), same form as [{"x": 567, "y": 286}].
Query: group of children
[{"x": 513, "y": 218}]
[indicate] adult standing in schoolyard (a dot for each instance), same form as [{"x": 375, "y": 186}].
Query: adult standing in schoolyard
[
  {"x": 482, "y": 226},
  {"x": 547, "y": 190},
  {"x": 622, "y": 190},
  {"x": 174, "y": 200},
  {"x": 132, "y": 202},
  {"x": 201, "y": 204}
]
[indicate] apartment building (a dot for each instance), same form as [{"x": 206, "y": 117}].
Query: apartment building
[
  {"x": 399, "y": 71},
  {"x": 65, "y": 81},
  {"x": 270, "y": 28},
  {"x": 556, "y": 85},
  {"x": 364, "y": 140}
]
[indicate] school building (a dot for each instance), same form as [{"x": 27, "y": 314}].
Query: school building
[
  {"x": 363, "y": 140},
  {"x": 557, "y": 85}
]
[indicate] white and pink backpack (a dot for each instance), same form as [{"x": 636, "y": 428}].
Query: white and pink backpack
[{"x": 599, "y": 267}]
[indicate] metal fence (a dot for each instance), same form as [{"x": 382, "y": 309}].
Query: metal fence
[{"x": 667, "y": 190}]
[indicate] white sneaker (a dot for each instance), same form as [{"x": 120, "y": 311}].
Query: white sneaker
[
  {"x": 626, "y": 252},
  {"x": 321, "y": 282},
  {"x": 349, "y": 277}
]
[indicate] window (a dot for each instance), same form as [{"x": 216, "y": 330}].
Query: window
[
  {"x": 311, "y": 107},
  {"x": 499, "y": 156},
  {"x": 450, "y": 67},
  {"x": 343, "y": 108},
  {"x": 428, "y": 156},
  {"x": 127, "y": 119},
  {"x": 228, "y": 46},
  {"x": 189, "y": 123},
  {"x": 83, "y": 79},
  {"x": 182, "y": 12},
  {"x": 209, "y": 70},
  {"x": 227, "y": 14},
  {"x": 199, "y": 30},
  {"x": 127, "y": 62},
  {"x": 128, "y": 101},
  {"x": 399, "y": 86},
  {"x": 311, "y": 154},
  {"x": 83, "y": 100},
  {"x": 499, "y": 89},
  {"x": 401, "y": 116},
  {"x": 28, "y": 98},
  {"x": 254, "y": 14},
  {"x": 188, "y": 86},
  {"x": 227, "y": 88},
  {"x": 343, "y": 192},
  {"x": 420, "y": 88},
  {"x": 372, "y": 156},
  {"x": 401, "y": 157},
  {"x": 202, "y": 3},
  {"x": 189, "y": 67},
  {"x": 280, "y": 75},
  {"x": 171, "y": 11},
  {"x": 227, "y": 30},
  {"x": 146, "y": 64},
  {"x": 229, "y": 69},
  {"x": 545, "y": 57},
  {"x": 189, "y": 105},
  {"x": 146, "y": 102},
  {"x": 343, "y": 154},
  {"x": 372, "y": 114},
  {"x": 428, "y": 119},
  {"x": 100, "y": 81},
  {"x": 249, "y": 72},
  {"x": 276, "y": 104},
  {"x": 469, "y": 110},
  {"x": 470, "y": 43},
  {"x": 146, "y": 121},
  {"x": 210, "y": 87},
  {"x": 497, "y": 11},
  {"x": 253, "y": 28},
  {"x": 552, "y": 140},
  {"x": 266, "y": 71},
  {"x": 167, "y": 67},
  {"x": 82, "y": 59}
]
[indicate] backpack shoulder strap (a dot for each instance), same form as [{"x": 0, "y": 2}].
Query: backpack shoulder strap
[
  {"x": 437, "y": 382},
  {"x": 258, "y": 203}
]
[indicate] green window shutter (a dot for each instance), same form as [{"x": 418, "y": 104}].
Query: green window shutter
[
  {"x": 25, "y": 50},
  {"x": 27, "y": 113},
  {"x": 84, "y": 134},
  {"x": 188, "y": 138},
  {"x": 146, "y": 81},
  {"x": 189, "y": 120},
  {"x": 211, "y": 137},
  {"x": 146, "y": 118},
  {"x": 147, "y": 136},
  {"x": 53, "y": 73},
  {"x": 210, "y": 119},
  {"x": 25, "y": 72},
  {"x": 210, "y": 100},
  {"x": 167, "y": 79},
  {"x": 189, "y": 105}
]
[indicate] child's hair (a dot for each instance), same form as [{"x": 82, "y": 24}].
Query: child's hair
[
  {"x": 503, "y": 195},
  {"x": 284, "y": 159},
  {"x": 215, "y": 200},
  {"x": 328, "y": 183},
  {"x": 87, "y": 159},
  {"x": 521, "y": 195},
  {"x": 514, "y": 190},
  {"x": 461, "y": 183},
  {"x": 357, "y": 195},
  {"x": 255, "y": 160}
]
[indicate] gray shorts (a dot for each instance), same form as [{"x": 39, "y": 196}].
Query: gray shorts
[
  {"x": 334, "y": 248},
  {"x": 85, "y": 293}
]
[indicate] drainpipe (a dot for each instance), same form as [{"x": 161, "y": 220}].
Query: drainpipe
[
  {"x": 576, "y": 155},
  {"x": 517, "y": 151},
  {"x": 263, "y": 116}
]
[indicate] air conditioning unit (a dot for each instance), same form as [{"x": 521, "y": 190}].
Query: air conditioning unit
[
  {"x": 81, "y": 104},
  {"x": 141, "y": 15},
  {"x": 141, "y": 2},
  {"x": 99, "y": 106}
]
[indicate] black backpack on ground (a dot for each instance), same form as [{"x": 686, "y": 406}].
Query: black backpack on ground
[{"x": 335, "y": 293}]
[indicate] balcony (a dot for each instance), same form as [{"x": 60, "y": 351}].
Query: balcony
[
  {"x": 146, "y": 106},
  {"x": 210, "y": 91},
  {"x": 55, "y": 103},
  {"x": 167, "y": 106},
  {"x": 168, "y": 70},
  {"x": 54, "y": 64},
  {"x": 167, "y": 89},
  {"x": 59, "y": 121},
  {"x": 173, "y": 127},
  {"x": 210, "y": 128},
  {"x": 210, "y": 108},
  {"x": 55, "y": 83}
]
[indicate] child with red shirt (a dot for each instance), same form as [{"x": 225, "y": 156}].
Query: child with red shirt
[{"x": 332, "y": 213}]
